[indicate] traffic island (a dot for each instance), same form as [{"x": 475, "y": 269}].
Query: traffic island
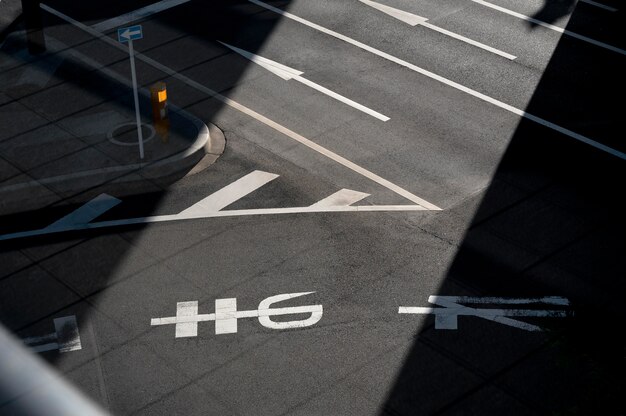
[{"x": 71, "y": 130}]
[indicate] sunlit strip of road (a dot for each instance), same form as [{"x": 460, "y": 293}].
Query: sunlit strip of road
[
  {"x": 268, "y": 122},
  {"x": 446, "y": 81}
]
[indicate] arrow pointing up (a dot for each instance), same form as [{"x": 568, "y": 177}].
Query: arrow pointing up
[
  {"x": 406, "y": 17},
  {"x": 288, "y": 73}
]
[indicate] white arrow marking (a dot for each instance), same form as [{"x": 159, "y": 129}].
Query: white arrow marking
[
  {"x": 229, "y": 194},
  {"x": 342, "y": 198},
  {"x": 406, "y": 17},
  {"x": 447, "y": 316},
  {"x": 86, "y": 213},
  {"x": 415, "y": 20},
  {"x": 288, "y": 73}
]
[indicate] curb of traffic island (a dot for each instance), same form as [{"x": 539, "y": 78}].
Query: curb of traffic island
[{"x": 213, "y": 149}]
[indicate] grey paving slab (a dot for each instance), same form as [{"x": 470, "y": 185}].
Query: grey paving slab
[
  {"x": 98, "y": 263},
  {"x": 16, "y": 118},
  {"x": 488, "y": 400},
  {"x": 537, "y": 226},
  {"x": 423, "y": 388},
  {"x": 183, "y": 402},
  {"x": 30, "y": 295},
  {"x": 486, "y": 347},
  {"x": 141, "y": 383},
  {"x": 78, "y": 97},
  {"x": 39, "y": 147},
  {"x": 558, "y": 380},
  {"x": 341, "y": 399},
  {"x": 12, "y": 261}
]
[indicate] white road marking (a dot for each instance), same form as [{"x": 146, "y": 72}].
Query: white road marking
[
  {"x": 470, "y": 41},
  {"x": 274, "y": 67},
  {"x": 262, "y": 119},
  {"x": 550, "y": 26},
  {"x": 447, "y": 316},
  {"x": 415, "y": 20},
  {"x": 66, "y": 337},
  {"x": 226, "y": 315},
  {"x": 186, "y": 310},
  {"x": 229, "y": 194},
  {"x": 600, "y": 5},
  {"x": 406, "y": 17},
  {"x": 138, "y": 14},
  {"x": 445, "y": 81},
  {"x": 219, "y": 214},
  {"x": 548, "y": 300},
  {"x": 288, "y": 73},
  {"x": 342, "y": 198},
  {"x": 87, "y": 212}
]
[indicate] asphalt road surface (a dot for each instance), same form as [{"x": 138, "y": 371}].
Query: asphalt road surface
[{"x": 434, "y": 186}]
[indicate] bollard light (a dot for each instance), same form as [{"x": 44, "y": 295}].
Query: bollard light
[{"x": 158, "y": 98}]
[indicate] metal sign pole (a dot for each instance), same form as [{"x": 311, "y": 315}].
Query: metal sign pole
[{"x": 136, "y": 96}]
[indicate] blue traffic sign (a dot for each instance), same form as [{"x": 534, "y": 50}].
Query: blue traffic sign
[{"x": 124, "y": 34}]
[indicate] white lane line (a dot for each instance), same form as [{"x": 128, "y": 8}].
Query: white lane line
[
  {"x": 218, "y": 214},
  {"x": 234, "y": 104},
  {"x": 288, "y": 73},
  {"x": 341, "y": 98},
  {"x": 600, "y": 5},
  {"x": 341, "y": 198},
  {"x": 470, "y": 41},
  {"x": 229, "y": 194},
  {"x": 87, "y": 212},
  {"x": 138, "y": 14},
  {"x": 550, "y": 26},
  {"x": 446, "y": 81},
  {"x": 415, "y": 20}
]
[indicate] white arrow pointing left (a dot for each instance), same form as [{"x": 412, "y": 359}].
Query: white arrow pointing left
[
  {"x": 127, "y": 33},
  {"x": 288, "y": 73}
]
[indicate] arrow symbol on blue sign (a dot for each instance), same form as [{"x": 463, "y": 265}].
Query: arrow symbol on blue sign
[{"x": 126, "y": 34}]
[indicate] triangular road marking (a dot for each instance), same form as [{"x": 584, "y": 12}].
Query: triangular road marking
[{"x": 406, "y": 17}]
